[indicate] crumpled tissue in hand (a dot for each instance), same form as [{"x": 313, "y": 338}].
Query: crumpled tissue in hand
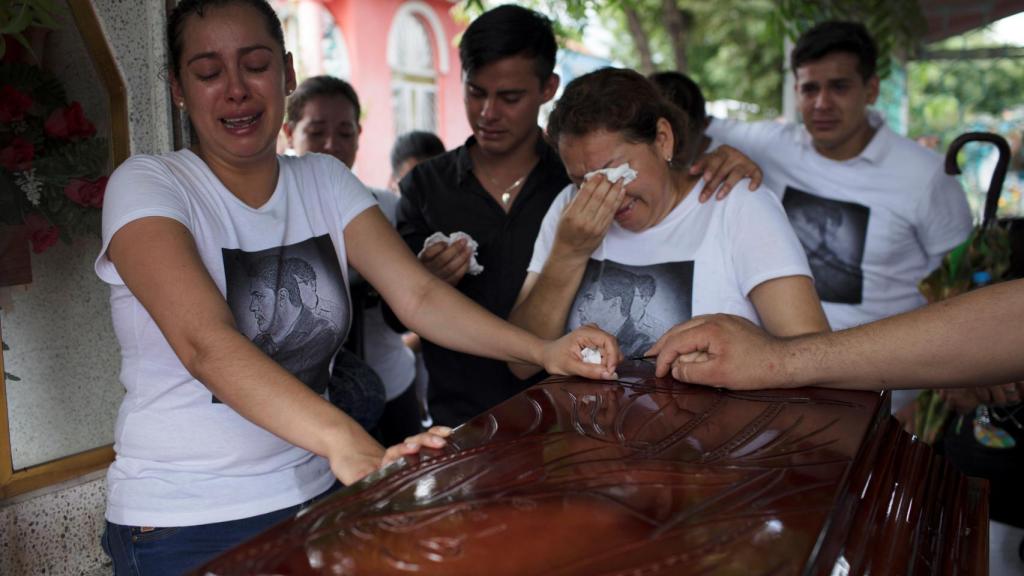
[
  {"x": 622, "y": 172},
  {"x": 440, "y": 237},
  {"x": 591, "y": 355}
]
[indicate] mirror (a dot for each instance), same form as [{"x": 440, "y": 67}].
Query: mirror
[{"x": 57, "y": 418}]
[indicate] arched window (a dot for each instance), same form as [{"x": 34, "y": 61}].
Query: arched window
[{"x": 414, "y": 67}]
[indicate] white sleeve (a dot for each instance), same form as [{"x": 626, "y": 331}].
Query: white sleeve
[
  {"x": 764, "y": 246},
  {"x": 548, "y": 228},
  {"x": 388, "y": 202},
  {"x": 141, "y": 187},
  {"x": 354, "y": 198},
  {"x": 755, "y": 139},
  {"x": 943, "y": 217}
]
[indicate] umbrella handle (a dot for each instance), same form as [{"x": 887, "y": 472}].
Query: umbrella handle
[{"x": 995, "y": 187}]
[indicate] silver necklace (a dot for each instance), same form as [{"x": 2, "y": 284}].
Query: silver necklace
[{"x": 506, "y": 194}]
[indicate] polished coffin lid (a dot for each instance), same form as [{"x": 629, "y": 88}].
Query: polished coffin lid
[{"x": 646, "y": 477}]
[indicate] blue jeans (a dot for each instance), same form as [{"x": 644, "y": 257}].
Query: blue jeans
[{"x": 173, "y": 551}]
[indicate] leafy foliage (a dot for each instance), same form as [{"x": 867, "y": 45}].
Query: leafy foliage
[
  {"x": 16, "y": 16},
  {"x": 949, "y": 94}
]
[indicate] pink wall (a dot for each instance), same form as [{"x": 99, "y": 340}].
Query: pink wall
[{"x": 365, "y": 25}]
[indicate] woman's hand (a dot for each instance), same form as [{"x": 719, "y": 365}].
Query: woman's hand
[
  {"x": 352, "y": 463},
  {"x": 588, "y": 216},
  {"x": 433, "y": 438},
  {"x": 565, "y": 355},
  {"x": 722, "y": 168}
]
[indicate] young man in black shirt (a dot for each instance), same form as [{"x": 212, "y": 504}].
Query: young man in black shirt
[{"x": 496, "y": 187}]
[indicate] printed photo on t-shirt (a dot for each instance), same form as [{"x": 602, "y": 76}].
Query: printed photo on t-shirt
[
  {"x": 833, "y": 233},
  {"x": 635, "y": 303},
  {"x": 291, "y": 302}
]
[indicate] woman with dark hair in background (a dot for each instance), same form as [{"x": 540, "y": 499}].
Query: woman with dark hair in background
[{"x": 372, "y": 380}]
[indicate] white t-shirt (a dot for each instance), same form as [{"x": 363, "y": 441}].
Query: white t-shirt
[
  {"x": 700, "y": 259},
  {"x": 184, "y": 458},
  {"x": 873, "y": 226}
]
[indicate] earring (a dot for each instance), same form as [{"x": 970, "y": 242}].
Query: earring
[{"x": 181, "y": 104}]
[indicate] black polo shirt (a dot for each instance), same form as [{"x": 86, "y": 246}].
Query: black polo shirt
[{"x": 443, "y": 195}]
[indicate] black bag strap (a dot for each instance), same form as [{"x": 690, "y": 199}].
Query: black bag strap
[{"x": 995, "y": 187}]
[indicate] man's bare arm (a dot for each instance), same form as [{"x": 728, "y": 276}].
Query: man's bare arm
[{"x": 971, "y": 340}]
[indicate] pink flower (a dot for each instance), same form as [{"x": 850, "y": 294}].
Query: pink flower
[
  {"x": 69, "y": 123},
  {"x": 17, "y": 156},
  {"x": 13, "y": 104},
  {"x": 41, "y": 233},
  {"x": 87, "y": 193}
]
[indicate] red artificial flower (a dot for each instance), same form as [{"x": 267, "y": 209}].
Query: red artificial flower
[
  {"x": 41, "y": 233},
  {"x": 87, "y": 193},
  {"x": 18, "y": 155},
  {"x": 69, "y": 123},
  {"x": 13, "y": 104}
]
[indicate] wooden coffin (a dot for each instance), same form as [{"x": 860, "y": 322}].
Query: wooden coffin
[{"x": 649, "y": 477}]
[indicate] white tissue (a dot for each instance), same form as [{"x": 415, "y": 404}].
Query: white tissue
[
  {"x": 621, "y": 172},
  {"x": 591, "y": 355},
  {"x": 440, "y": 237}
]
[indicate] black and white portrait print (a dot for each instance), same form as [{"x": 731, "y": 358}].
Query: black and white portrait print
[
  {"x": 292, "y": 303},
  {"x": 833, "y": 233},
  {"x": 635, "y": 303}
]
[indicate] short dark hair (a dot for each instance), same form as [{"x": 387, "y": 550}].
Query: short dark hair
[
  {"x": 508, "y": 31},
  {"x": 837, "y": 36},
  {"x": 181, "y": 12},
  {"x": 680, "y": 90},
  {"x": 416, "y": 144},
  {"x": 616, "y": 100},
  {"x": 318, "y": 86}
]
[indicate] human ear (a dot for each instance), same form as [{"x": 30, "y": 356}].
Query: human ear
[
  {"x": 177, "y": 95},
  {"x": 550, "y": 87},
  {"x": 289, "y": 74},
  {"x": 665, "y": 140},
  {"x": 873, "y": 89},
  {"x": 288, "y": 128}
]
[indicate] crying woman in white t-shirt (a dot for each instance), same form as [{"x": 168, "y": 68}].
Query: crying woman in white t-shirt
[{"x": 629, "y": 247}]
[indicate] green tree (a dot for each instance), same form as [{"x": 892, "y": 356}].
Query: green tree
[{"x": 949, "y": 94}]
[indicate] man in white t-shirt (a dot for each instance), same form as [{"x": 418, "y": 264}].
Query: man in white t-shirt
[{"x": 874, "y": 211}]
